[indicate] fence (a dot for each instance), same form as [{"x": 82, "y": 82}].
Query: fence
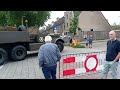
[
  {"x": 97, "y": 35},
  {"x": 75, "y": 65}
]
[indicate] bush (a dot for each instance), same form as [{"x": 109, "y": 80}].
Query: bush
[{"x": 79, "y": 46}]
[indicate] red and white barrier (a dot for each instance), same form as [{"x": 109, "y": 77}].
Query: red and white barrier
[{"x": 90, "y": 63}]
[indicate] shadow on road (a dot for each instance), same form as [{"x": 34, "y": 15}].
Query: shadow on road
[
  {"x": 27, "y": 57},
  {"x": 31, "y": 55}
]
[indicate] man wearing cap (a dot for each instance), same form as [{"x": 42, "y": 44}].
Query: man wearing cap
[{"x": 48, "y": 56}]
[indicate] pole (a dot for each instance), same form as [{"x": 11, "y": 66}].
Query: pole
[
  {"x": 59, "y": 70},
  {"x": 26, "y": 21},
  {"x": 22, "y": 19}
]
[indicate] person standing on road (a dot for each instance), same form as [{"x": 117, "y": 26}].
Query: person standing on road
[
  {"x": 90, "y": 41},
  {"x": 87, "y": 42},
  {"x": 70, "y": 41},
  {"x": 49, "y": 55},
  {"x": 112, "y": 56}
]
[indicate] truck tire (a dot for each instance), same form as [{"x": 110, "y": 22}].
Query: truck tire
[
  {"x": 18, "y": 53},
  {"x": 60, "y": 46},
  {"x": 3, "y": 56}
]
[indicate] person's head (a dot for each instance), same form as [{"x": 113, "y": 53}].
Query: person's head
[
  {"x": 48, "y": 39},
  {"x": 112, "y": 35}
]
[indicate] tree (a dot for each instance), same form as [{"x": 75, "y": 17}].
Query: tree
[
  {"x": 35, "y": 18},
  {"x": 3, "y": 18},
  {"x": 74, "y": 22}
]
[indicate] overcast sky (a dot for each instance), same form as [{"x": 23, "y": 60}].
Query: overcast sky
[{"x": 112, "y": 16}]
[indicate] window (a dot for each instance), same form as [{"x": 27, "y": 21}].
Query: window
[
  {"x": 67, "y": 24},
  {"x": 67, "y": 16},
  {"x": 65, "y": 33},
  {"x": 61, "y": 26},
  {"x": 70, "y": 14},
  {"x": 91, "y": 29},
  {"x": 79, "y": 28}
]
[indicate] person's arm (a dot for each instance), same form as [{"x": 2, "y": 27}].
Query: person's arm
[
  {"x": 40, "y": 57},
  {"x": 118, "y": 56}
]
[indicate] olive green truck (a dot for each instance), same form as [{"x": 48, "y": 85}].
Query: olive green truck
[{"x": 15, "y": 44}]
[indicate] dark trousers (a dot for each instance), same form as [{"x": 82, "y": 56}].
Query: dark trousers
[{"x": 49, "y": 72}]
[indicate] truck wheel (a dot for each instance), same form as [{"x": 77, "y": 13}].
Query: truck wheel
[
  {"x": 60, "y": 46},
  {"x": 3, "y": 56},
  {"x": 18, "y": 53}
]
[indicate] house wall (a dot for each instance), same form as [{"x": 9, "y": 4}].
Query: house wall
[
  {"x": 68, "y": 15},
  {"x": 93, "y": 20}
]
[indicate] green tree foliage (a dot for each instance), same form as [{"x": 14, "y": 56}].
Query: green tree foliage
[
  {"x": 74, "y": 22},
  {"x": 35, "y": 18},
  {"x": 3, "y": 18}
]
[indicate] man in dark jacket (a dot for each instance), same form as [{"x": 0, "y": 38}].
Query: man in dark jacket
[{"x": 48, "y": 56}]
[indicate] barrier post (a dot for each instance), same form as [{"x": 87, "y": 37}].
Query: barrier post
[{"x": 59, "y": 69}]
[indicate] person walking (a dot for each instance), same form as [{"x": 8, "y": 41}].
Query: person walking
[
  {"x": 112, "y": 56},
  {"x": 49, "y": 55},
  {"x": 90, "y": 41},
  {"x": 87, "y": 42}
]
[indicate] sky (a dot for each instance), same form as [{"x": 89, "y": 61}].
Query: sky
[{"x": 111, "y": 16}]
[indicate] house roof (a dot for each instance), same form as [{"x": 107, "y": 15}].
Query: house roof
[
  {"x": 99, "y": 21},
  {"x": 48, "y": 28},
  {"x": 56, "y": 23},
  {"x": 60, "y": 21}
]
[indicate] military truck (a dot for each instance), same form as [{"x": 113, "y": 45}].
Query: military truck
[{"x": 14, "y": 44}]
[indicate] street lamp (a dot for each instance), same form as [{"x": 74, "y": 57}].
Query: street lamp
[{"x": 22, "y": 19}]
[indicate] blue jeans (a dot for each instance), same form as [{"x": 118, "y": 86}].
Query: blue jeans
[
  {"x": 110, "y": 65},
  {"x": 49, "y": 72}
]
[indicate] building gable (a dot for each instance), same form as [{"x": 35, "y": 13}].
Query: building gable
[{"x": 93, "y": 20}]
